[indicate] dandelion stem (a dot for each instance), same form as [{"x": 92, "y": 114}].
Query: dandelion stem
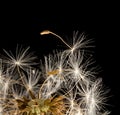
[{"x": 49, "y": 32}]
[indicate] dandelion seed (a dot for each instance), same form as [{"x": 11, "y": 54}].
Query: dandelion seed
[
  {"x": 22, "y": 59},
  {"x": 33, "y": 80},
  {"x": 80, "y": 42},
  {"x": 49, "y": 32},
  {"x": 18, "y": 91}
]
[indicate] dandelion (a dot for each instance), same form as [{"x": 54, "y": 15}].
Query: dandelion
[
  {"x": 65, "y": 84},
  {"x": 22, "y": 59}
]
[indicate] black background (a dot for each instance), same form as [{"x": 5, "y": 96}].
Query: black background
[{"x": 21, "y": 24}]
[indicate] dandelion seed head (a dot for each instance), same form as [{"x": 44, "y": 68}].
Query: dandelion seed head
[{"x": 63, "y": 85}]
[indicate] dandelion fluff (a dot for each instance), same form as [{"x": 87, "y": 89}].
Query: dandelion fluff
[{"x": 65, "y": 84}]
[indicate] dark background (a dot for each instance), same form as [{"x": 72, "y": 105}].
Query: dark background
[{"x": 99, "y": 21}]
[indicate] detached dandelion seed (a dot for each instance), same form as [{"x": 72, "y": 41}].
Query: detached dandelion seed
[
  {"x": 49, "y": 32},
  {"x": 63, "y": 85}
]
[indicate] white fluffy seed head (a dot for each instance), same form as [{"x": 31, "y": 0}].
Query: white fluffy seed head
[{"x": 64, "y": 73}]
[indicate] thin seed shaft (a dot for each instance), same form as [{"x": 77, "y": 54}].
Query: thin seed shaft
[{"x": 49, "y": 32}]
